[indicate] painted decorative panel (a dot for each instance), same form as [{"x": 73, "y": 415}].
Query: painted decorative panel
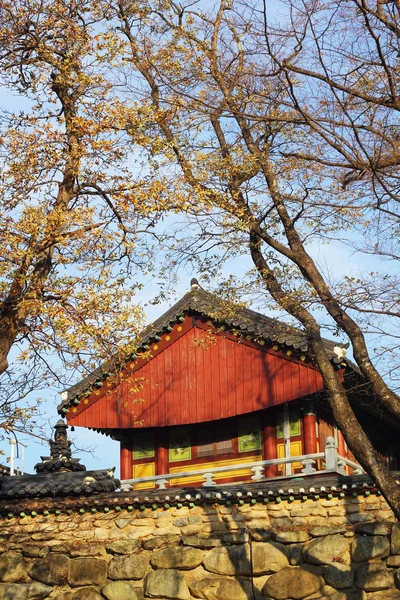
[
  {"x": 144, "y": 470},
  {"x": 143, "y": 444},
  {"x": 249, "y": 433},
  {"x": 180, "y": 444},
  {"x": 294, "y": 424}
]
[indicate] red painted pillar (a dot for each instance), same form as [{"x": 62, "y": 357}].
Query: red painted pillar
[
  {"x": 268, "y": 424},
  {"x": 126, "y": 460},
  {"x": 309, "y": 427},
  {"x": 161, "y": 452}
]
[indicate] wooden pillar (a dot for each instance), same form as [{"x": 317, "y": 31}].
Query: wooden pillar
[
  {"x": 309, "y": 427},
  {"x": 268, "y": 424},
  {"x": 126, "y": 460},
  {"x": 161, "y": 440}
]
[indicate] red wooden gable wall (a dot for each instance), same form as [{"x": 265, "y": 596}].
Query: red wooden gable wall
[{"x": 193, "y": 378}]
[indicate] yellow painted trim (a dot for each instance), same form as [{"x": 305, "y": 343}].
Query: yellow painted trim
[
  {"x": 296, "y": 449},
  {"x": 203, "y": 467},
  {"x": 145, "y": 470}
]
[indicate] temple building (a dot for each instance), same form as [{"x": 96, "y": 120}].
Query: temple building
[{"x": 218, "y": 388}]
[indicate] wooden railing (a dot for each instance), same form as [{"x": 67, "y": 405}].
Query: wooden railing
[{"x": 332, "y": 462}]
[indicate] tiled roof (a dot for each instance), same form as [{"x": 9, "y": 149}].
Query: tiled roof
[
  {"x": 82, "y": 483},
  {"x": 268, "y": 491},
  {"x": 201, "y": 302}
]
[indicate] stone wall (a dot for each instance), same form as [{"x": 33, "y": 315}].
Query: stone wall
[{"x": 332, "y": 546}]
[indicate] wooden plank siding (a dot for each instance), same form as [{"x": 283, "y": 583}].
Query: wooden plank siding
[{"x": 192, "y": 378}]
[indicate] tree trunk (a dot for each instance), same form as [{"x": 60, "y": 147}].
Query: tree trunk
[{"x": 343, "y": 413}]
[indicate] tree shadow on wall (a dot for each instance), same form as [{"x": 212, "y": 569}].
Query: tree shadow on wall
[{"x": 250, "y": 557}]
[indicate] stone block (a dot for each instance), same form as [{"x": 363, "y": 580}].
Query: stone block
[
  {"x": 300, "y": 512},
  {"x": 372, "y": 577},
  {"x": 327, "y": 550},
  {"x": 165, "y": 531},
  {"x": 42, "y": 537},
  {"x": 101, "y": 534},
  {"x": 177, "y": 558},
  {"x": 12, "y": 568},
  {"x": 122, "y": 547},
  {"x": 178, "y": 522},
  {"x": 211, "y": 588},
  {"x": 133, "y": 566},
  {"x": 87, "y": 571},
  {"x": 234, "y": 538},
  {"x": 122, "y": 523},
  {"x": 61, "y": 548},
  {"x": 292, "y": 537},
  {"x": 118, "y": 534},
  {"x": 232, "y": 527},
  {"x": 119, "y": 590},
  {"x": 269, "y": 557},
  {"x": 393, "y": 561},
  {"x": 197, "y": 541},
  {"x": 191, "y": 529},
  {"x": 283, "y": 523},
  {"x": 15, "y": 591},
  {"x": 275, "y": 508},
  {"x": 353, "y": 595},
  {"x": 261, "y": 535},
  {"x": 154, "y": 543},
  {"x": 166, "y": 522},
  {"x": 87, "y": 593},
  {"x": 194, "y": 519},
  {"x": 385, "y": 515},
  {"x": 395, "y": 539},
  {"x": 339, "y": 576},
  {"x": 239, "y": 518},
  {"x": 372, "y": 528},
  {"x": 166, "y": 583},
  {"x": 51, "y": 570},
  {"x": 210, "y": 527},
  {"x": 327, "y": 590},
  {"x": 360, "y": 518},
  {"x": 368, "y": 547},
  {"x": 232, "y": 560},
  {"x": 319, "y": 511},
  {"x": 314, "y": 522},
  {"x": 140, "y": 532},
  {"x": 292, "y": 583},
  {"x": 85, "y": 550},
  {"x": 279, "y": 513},
  {"x": 295, "y": 554},
  {"x": 299, "y": 522},
  {"x": 386, "y": 595},
  {"x": 35, "y": 551},
  {"x": 223, "y": 510},
  {"x": 337, "y": 511}
]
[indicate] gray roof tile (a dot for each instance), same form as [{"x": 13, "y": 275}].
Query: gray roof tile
[{"x": 82, "y": 483}]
